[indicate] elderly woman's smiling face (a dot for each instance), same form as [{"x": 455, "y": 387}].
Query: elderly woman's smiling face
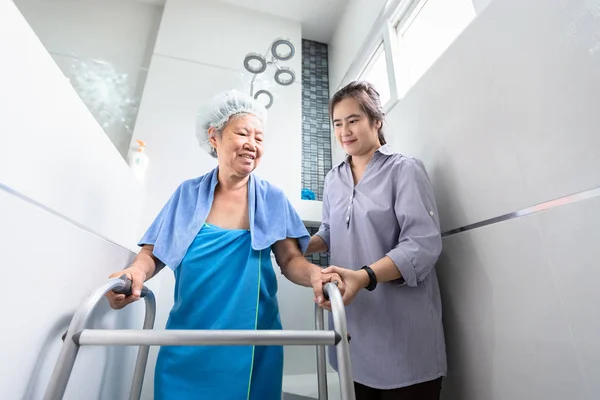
[{"x": 240, "y": 144}]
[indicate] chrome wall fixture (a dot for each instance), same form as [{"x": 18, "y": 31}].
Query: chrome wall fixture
[
  {"x": 548, "y": 205},
  {"x": 255, "y": 63}
]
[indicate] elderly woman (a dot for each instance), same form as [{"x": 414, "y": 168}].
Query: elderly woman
[{"x": 217, "y": 232}]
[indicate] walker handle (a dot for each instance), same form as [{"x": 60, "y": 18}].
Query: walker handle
[{"x": 126, "y": 290}]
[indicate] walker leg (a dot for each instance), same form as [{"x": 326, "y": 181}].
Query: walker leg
[
  {"x": 343, "y": 347},
  {"x": 321, "y": 362},
  {"x": 142, "y": 357}
]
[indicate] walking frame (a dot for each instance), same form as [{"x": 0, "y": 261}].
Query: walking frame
[{"x": 78, "y": 335}]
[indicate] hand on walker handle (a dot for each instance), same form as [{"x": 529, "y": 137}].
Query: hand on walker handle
[
  {"x": 137, "y": 277},
  {"x": 354, "y": 281},
  {"x": 318, "y": 280}
]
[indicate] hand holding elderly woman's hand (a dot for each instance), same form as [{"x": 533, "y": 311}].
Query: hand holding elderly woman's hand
[
  {"x": 354, "y": 281},
  {"x": 318, "y": 279}
]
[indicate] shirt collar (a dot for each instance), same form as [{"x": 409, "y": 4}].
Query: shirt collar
[{"x": 385, "y": 150}]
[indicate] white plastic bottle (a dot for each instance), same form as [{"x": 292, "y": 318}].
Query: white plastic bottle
[{"x": 138, "y": 161}]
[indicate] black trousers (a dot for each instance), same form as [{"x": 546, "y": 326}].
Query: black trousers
[{"x": 421, "y": 391}]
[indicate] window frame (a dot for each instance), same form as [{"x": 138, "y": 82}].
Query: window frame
[
  {"x": 383, "y": 46},
  {"x": 393, "y": 21}
]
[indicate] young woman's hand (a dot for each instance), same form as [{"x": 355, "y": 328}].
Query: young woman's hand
[
  {"x": 354, "y": 281},
  {"x": 318, "y": 279}
]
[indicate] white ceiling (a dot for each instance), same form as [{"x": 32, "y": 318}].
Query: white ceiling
[{"x": 318, "y": 17}]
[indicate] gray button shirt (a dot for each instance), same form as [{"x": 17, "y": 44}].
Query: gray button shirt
[{"x": 396, "y": 330}]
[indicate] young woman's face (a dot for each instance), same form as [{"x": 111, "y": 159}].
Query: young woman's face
[{"x": 353, "y": 129}]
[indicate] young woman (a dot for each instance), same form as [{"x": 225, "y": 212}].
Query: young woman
[{"x": 381, "y": 227}]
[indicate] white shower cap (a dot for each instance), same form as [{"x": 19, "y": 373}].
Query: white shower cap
[{"x": 217, "y": 111}]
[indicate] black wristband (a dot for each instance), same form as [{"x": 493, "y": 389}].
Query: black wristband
[{"x": 372, "y": 278}]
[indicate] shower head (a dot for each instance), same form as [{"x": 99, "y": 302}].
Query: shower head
[
  {"x": 283, "y": 49},
  {"x": 267, "y": 94},
  {"x": 285, "y": 76},
  {"x": 255, "y": 63}
]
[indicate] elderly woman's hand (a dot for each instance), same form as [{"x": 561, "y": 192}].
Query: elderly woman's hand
[
  {"x": 137, "y": 276},
  {"x": 318, "y": 279}
]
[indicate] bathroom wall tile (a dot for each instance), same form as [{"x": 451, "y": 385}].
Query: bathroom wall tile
[{"x": 316, "y": 134}]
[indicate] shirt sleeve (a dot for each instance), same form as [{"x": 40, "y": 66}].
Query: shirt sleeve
[
  {"x": 419, "y": 243},
  {"x": 323, "y": 232}
]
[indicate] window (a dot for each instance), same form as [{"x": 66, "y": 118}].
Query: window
[
  {"x": 376, "y": 73},
  {"x": 407, "y": 37},
  {"x": 426, "y": 32}
]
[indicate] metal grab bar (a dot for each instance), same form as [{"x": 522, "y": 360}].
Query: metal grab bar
[{"x": 77, "y": 336}]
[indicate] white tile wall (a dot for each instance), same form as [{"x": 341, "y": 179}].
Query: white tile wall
[
  {"x": 507, "y": 328},
  {"x": 570, "y": 234}
]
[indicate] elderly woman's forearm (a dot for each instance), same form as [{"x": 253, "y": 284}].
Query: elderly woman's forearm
[
  {"x": 299, "y": 271},
  {"x": 147, "y": 262}
]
